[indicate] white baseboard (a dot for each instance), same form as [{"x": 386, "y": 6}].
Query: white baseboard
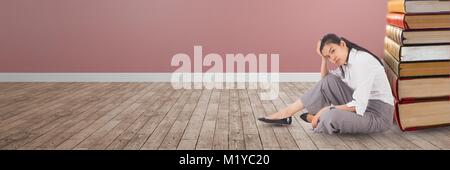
[{"x": 126, "y": 77}]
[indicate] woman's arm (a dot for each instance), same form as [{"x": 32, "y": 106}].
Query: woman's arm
[
  {"x": 324, "y": 65},
  {"x": 346, "y": 108},
  {"x": 323, "y": 68},
  {"x": 316, "y": 117}
]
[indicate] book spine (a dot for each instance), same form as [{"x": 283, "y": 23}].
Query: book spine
[
  {"x": 392, "y": 47},
  {"x": 395, "y": 34},
  {"x": 393, "y": 79},
  {"x": 397, "y": 20},
  {"x": 392, "y": 62},
  {"x": 397, "y": 116},
  {"x": 397, "y": 6}
]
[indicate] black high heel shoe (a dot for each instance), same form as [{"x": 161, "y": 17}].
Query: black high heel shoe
[
  {"x": 284, "y": 121},
  {"x": 304, "y": 117}
]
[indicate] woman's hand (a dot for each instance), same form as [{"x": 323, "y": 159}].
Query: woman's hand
[
  {"x": 315, "y": 119},
  {"x": 346, "y": 108},
  {"x": 324, "y": 65},
  {"x": 318, "y": 50}
]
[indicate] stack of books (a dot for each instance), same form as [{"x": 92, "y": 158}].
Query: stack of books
[{"x": 417, "y": 61}]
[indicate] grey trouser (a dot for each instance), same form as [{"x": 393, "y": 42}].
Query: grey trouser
[{"x": 332, "y": 90}]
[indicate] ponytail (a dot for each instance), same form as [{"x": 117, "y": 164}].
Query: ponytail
[{"x": 351, "y": 45}]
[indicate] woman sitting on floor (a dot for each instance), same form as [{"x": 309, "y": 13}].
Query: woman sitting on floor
[{"x": 354, "y": 98}]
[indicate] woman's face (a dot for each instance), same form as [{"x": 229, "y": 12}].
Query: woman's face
[{"x": 335, "y": 53}]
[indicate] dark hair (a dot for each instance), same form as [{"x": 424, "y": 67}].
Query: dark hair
[{"x": 334, "y": 39}]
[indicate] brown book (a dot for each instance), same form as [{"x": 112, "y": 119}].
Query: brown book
[
  {"x": 411, "y": 37},
  {"x": 417, "y": 69},
  {"x": 411, "y": 89},
  {"x": 439, "y": 52},
  {"x": 422, "y": 114},
  {"x": 423, "y": 21},
  {"x": 419, "y": 6},
  {"x": 420, "y": 102}
]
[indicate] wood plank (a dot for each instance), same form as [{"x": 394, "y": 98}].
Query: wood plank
[
  {"x": 445, "y": 130},
  {"x": 136, "y": 140},
  {"x": 12, "y": 109},
  {"x": 301, "y": 137},
  {"x": 352, "y": 141},
  {"x": 282, "y": 133},
  {"x": 121, "y": 141},
  {"x": 74, "y": 126},
  {"x": 236, "y": 136},
  {"x": 128, "y": 115},
  {"x": 105, "y": 135},
  {"x": 400, "y": 140},
  {"x": 251, "y": 133},
  {"x": 40, "y": 135},
  {"x": 267, "y": 135},
  {"x": 25, "y": 94},
  {"x": 369, "y": 142},
  {"x": 10, "y": 86},
  {"x": 160, "y": 132},
  {"x": 24, "y": 127},
  {"x": 424, "y": 144},
  {"x": 385, "y": 142},
  {"x": 444, "y": 138},
  {"x": 123, "y": 125},
  {"x": 175, "y": 133},
  {"x": 95, "y": 116},
  {"x": 220, "y": 140},
  {"x": 144, "y": 133},
  {"x": 50, "y": 102},
  {"x": 187, "y": 144},
  {"x": 152, "y": 116},
  {"x": 37, "y": 98},
  {"x": 206, "y": 136},
  {"x": 427, "y": 134},
  {"x": 194, "y": 126},
  {"x": 8, "y": 90},
  {"x": 76, "y": 139},
  {"x": 205, "y": 139}
]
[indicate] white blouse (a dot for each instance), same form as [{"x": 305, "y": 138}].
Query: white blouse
[{"x": 366, "y": 76}]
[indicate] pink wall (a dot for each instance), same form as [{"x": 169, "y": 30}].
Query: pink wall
[{"x": 143, "y": 35}]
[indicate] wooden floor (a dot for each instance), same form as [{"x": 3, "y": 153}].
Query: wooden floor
[{"x": 155, "y": 116}]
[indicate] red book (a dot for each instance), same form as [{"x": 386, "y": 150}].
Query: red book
[
  {"x": 414, "y": 21},
  {"x": 397, "y": 19}
]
